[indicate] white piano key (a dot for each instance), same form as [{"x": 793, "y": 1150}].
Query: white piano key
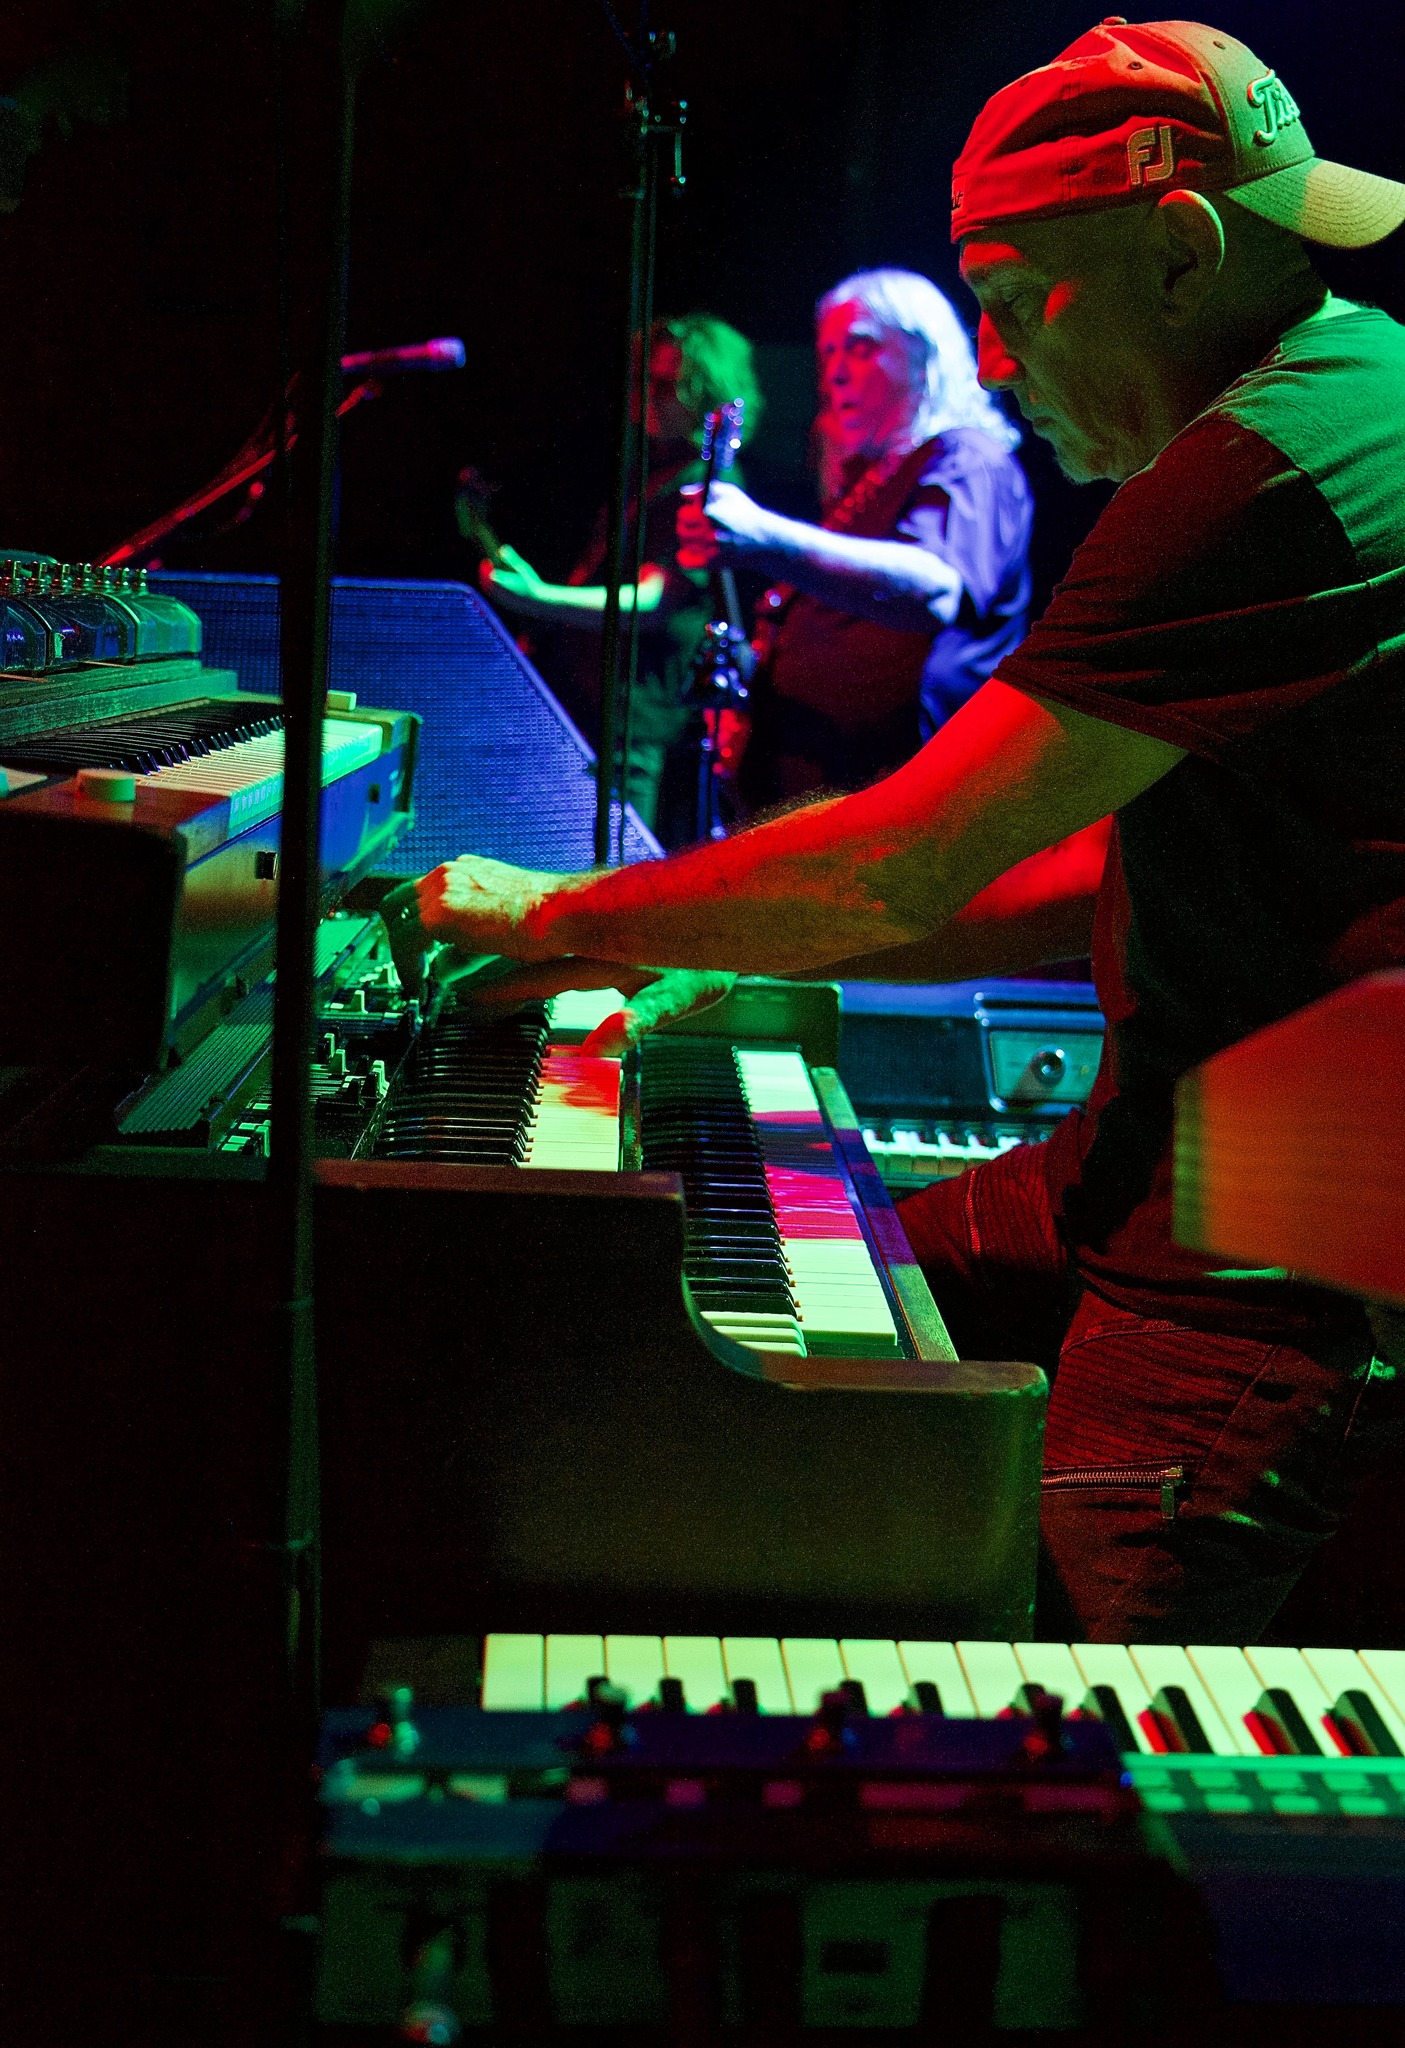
[
  {"x": 939, "y": 1663},
  {"x": 992, "y": 1674},
  {"x": 576, "y": 1011},
  {"x": 696, "y": 1662},
  {"x": 758, "y": 1332},
  {"x": 839, "y": 1298},
  {"x": 635, "y": 1665},
  {"x": 813, "y": 1666},
  {"x": 574, "y": 1122},
  {"x": 1236, "y": 1689},
  {"x": 513, "y": 1673},
  {"x": 1339, "y": 1671},
  {"x": 1051, "y": 1665},
  {"x": 875, "y": 1663},
  {"x": 250, "y": 772},
  {"x": 1111, "y": 1664},
  {"x": 1387, "y": 1667},
  {"x": 775, "y": 1079},
  {"x": 571, "y": 1662},
  {"x": 1162, "y": 1664},
  {"x": 759, "y": 1659},
  {"x": 1287, "y": 1669}
]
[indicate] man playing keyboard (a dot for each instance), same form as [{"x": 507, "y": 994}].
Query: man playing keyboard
[{"x": 1220, "y": 673}]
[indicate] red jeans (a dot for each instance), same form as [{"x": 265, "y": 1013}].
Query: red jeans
[{"x": 1189, "y": 1476}]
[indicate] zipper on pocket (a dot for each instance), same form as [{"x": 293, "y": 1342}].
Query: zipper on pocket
[{"x": 1169, "y": 1480}]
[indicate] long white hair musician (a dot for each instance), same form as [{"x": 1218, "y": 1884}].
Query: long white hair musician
[
  {"x": 887, "y": 615},
  {"x": 904, "y": 304}
]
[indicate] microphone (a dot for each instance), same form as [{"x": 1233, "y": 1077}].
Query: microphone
[{"x": 445, "y": 354}]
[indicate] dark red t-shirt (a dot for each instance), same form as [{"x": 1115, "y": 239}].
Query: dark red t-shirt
[{"x": 1243, "y": 597}]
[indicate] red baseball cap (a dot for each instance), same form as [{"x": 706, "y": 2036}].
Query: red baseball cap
[{"x": 1132, "y": 110}]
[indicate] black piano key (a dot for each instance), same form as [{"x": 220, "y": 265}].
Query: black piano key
[
  {"x": 694, "y": 1121},
  {"x": 1178, "y": 1723},
  {"x": 466, "y": 1091},
  {"x": 1278, "y": 1707},
  {"x": 1103, "y": 1703},
  {"x": 1357, "y": 1720},
  {"x": 145, "y": 742}
]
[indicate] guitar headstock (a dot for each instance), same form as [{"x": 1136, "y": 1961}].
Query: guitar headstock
[{"x": 721, "y": 438}]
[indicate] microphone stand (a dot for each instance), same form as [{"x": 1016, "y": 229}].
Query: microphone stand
[
  {"x": 304, "y": 622},
  {"x": 648, "y": 125},
  {"x": 270, "y": 442}
]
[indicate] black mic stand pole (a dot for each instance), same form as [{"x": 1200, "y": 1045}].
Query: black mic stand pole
[
  {"x": 647, "y": 128},
  {"x": 304, "y": 621}
]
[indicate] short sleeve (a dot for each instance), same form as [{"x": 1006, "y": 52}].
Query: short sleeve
[
  {"x": 983, "y": 525},
  {"x": 1214, "y": 594}
]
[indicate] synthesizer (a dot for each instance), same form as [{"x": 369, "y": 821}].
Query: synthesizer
[
  {"x": 668, "y": 1877},
  {"x": 139, "y": 817},
  {"x": 1319, "y": 1707},
  {"x": 946, "y": 1076},
  {"x": 1273, "y": 1779}
]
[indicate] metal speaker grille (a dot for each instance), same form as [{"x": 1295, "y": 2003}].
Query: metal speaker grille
[{"x": 501, "y": 769}]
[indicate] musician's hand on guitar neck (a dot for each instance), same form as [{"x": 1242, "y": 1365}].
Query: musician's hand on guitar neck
[
  {"x": 516, "y": 584},
  {"x": 512, "y": 577},
  {"x": 732, "y": 524},
  {"x": 697, "y": 537}
]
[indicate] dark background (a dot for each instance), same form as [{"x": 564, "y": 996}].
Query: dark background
[{"x": 138, "y": 345}]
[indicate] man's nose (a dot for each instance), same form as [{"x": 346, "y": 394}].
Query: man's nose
[{"x": 995, "y": 366}]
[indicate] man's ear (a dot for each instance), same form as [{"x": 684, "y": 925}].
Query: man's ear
[{"x": 1192, "y": 254}]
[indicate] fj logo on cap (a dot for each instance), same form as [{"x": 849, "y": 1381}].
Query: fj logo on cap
[
  {"x": 1279, "y": 108},
  {"x": 1144, "y": 165}
]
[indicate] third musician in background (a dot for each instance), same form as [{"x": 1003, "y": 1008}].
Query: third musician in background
[
  {"x": 696, "y": 363},
  {"x": 888, "y": 615}
]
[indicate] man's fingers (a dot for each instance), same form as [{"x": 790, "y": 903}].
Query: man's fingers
[
  {"x": 679, "y": 993},
  {"x": 409, "y": 942},
  {"x": 612, "y": 1038}
]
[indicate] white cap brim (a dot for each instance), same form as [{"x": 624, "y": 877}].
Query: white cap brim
[{"x": 1326, "y": 202}]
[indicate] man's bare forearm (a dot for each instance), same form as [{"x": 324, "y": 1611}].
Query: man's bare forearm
[
  {"x": 1041, "y": 911},
  {"x": 1005, "y": 778},
  {"x": 896, "y": 583}
]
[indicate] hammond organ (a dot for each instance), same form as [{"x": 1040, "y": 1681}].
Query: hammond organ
[{"x": 637, "y": 1333}]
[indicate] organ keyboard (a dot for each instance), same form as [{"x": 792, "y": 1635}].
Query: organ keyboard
[{"x": 779, "y": 1253}]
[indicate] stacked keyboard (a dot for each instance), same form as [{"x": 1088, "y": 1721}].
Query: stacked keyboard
[
  {"x": 217, "y": 751},
  {"x": 911, "y": 1153},
  {"x": 775, "y": 1254},
  {"x": 501, "y": 1094}
]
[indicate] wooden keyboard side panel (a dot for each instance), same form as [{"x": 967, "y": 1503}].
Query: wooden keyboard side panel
[{"x": 525, "y": 1428}]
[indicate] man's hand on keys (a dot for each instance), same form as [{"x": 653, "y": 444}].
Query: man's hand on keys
[
  {"x": 463, "y": 921},
  {"x": 467, "y": 909}
]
